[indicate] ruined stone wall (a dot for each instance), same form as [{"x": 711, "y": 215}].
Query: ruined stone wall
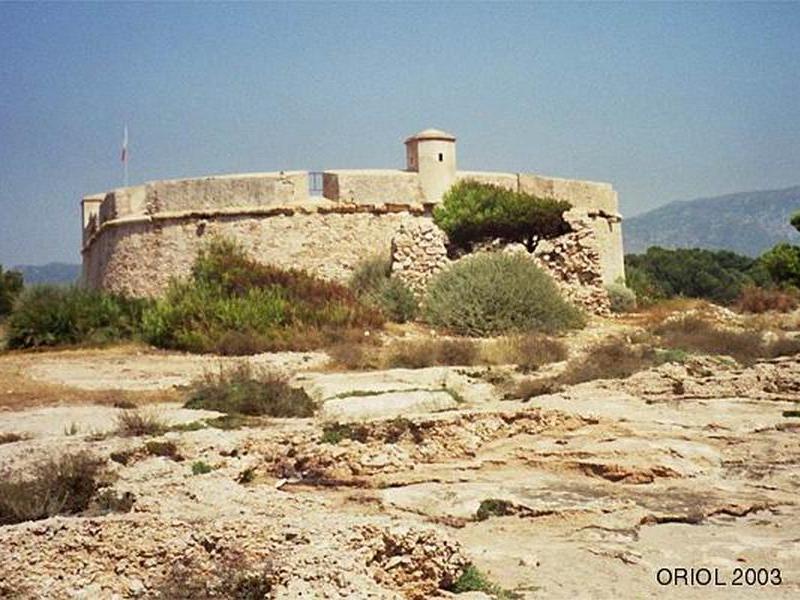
[
  {"x": 419, "y": 251},
  {"x": 139, "y": 257},
  {"x": 572, "y": 260}
]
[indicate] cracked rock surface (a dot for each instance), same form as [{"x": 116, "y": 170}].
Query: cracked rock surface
[{"x": 582, "y": 494}]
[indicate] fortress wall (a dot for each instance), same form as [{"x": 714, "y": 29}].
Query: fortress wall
[
  {"x": 228, "y": 191},
  {"x": 373, "y": 186},
  {"x": 599, "y": 202},
  {"x": 504, "y": 180},
  {"x": 222, "y": 192},
  {"x": 140, "y": 257},
  {"x": 587, "y": 195},
  {"x": 123, "y": 202}
]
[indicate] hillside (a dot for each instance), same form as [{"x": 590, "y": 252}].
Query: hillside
[
  {"x": 747, "y": 223},
  {"x": 55, "y": 272}
]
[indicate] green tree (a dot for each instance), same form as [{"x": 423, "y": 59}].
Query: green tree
[
  {"x": 795, "y": 221},
  {"x": 10, "y": 288},
  {"x": 716, "y": 275},
  {"x": 783, "y": 264},
  {"x": 473, "y": 212}
]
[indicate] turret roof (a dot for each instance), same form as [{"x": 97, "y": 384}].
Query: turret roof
[{"x": 432, "y": 134}]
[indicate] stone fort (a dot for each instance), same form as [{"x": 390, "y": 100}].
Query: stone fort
[{"x": 135, "y": 239}]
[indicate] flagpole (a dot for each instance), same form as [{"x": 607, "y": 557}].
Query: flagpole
[{"x": 125, "y": 155}]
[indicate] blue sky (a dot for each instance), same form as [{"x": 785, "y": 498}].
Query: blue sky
[{"x": 666, "y": 101}]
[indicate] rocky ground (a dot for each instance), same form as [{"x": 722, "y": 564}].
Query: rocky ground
[{"x": 587, "y": 493}]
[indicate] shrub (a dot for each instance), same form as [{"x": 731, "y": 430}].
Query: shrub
[
  {"x": 416, "y": 354},
  {"x": 201, "y": 468},
  {"x": 11, "y": 437},
  {"x": 716, "y": 275},
  {"x": 62, "y": 485},
  {"x": 373, "y": 283},
  {"x": 473, "y": 212},
  {"x": 622, "y": 298},
  {"x": 52, "y": 316},
  {"x": 753, "y": 299},
  {"x": 166, "y": 449},
  {"x": 134, "y": 423},
  {"x": 494, "y": 507},
  {"x": 230, "y": 577},
  {"x": 242, "y": 391},
  {"x": 491, "y": 294},
  {"x": 473, "y": 580},
  {"x": 10, "y": 288},
  {"x": 234, "y": 305}
]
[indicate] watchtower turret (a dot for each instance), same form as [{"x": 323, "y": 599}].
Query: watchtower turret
[{"x": 432, "y": 154}]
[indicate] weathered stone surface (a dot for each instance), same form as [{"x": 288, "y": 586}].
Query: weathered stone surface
[
  {"x": 418, "y": 252},
  {"x": 388, "y": 404}
]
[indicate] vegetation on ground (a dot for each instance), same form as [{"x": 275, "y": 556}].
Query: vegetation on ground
[
  {"x": 10, "y": 437},
  {"x": 474, "y": 580},
  {"x": 242, "y": 390},
  {"x": 473, "y": 212},
  {"x": 622, "y": 298},
  {"x": 164, "y": 448},
  {"x": 200, "y": 467},
  {"x": 716, "y": 275},
  {"x": 417, "y": 354},
  {"x": 234, "y": 305},
  {"x": 57, "y": 316},
  {"x": 753, "y": 299},
  {"x": 694, "y": 334},
  {"x": 138, "y": 423},
  {"x": 230, "y": 577},
  {"x": 495, "y": 294},
  {"x": 494, "y": 507},
  {"x": 373, "y": 283},
  {"x": 63, "y": 485},
  {"x": 10, "y": 288},
  {"x": 529, "y": 351}
]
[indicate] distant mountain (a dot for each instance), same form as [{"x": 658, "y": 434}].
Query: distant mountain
[
  {"x": 54, "y": 272},
  {"x": 747, "y": 223}
]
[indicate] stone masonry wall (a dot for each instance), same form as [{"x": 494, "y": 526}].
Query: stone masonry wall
[
  {"x": 419, "y": 251},
  {"x": 140, "y": 258},
  {"x": 572, "y": 260}
]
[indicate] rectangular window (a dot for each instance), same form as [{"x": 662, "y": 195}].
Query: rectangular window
[{"x": 441, "y": 157}]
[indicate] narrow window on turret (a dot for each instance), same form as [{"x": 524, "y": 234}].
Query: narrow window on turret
[{"x": 441, "y": 157}]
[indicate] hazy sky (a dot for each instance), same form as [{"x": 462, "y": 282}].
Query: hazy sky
[{"x": 666, "y": 101}]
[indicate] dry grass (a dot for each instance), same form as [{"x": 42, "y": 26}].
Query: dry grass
[
  {"x": 132, "y": 423},
  {"x": 11, "y": 437},
  {"x": 529, "y": 388},
  {"x": 655, "y": 314},
  {"x": 230, "y": 577},
  {"x": 760, "y": 300},
  {"x": 529, "y": 352},
  {"x": 415, "y": 354},
  {"x": 63, "y": 485},
  {"x": 610, "y": 359},
  {"x": 695, "y": 334}
]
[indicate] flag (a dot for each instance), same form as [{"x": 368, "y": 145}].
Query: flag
[{"x": 124, "y": 157}]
